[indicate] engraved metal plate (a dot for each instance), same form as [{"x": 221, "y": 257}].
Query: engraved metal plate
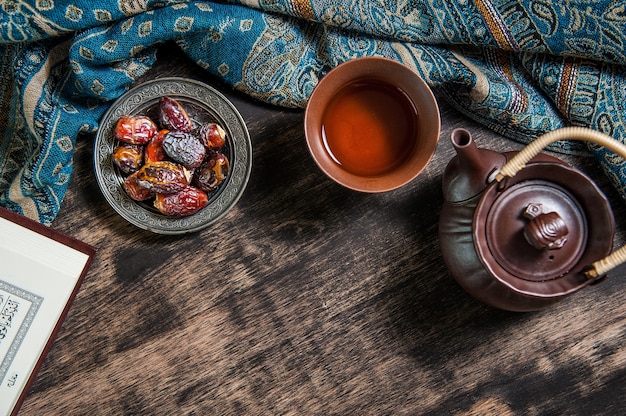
[{"x": 203, "y": 104}]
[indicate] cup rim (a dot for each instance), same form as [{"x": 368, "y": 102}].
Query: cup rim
[{"x": 394, "y": 73}]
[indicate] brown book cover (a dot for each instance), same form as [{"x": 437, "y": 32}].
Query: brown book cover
[{"x": 41, "y": 270}]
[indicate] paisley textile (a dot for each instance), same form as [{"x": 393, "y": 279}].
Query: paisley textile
[{"x": 521, "y": 68}]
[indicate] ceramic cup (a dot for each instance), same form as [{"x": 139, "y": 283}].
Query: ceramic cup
[{"x": 372, "y": 124}]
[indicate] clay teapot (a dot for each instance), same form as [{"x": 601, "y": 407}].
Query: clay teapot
[{"x": 522, "y": 230}]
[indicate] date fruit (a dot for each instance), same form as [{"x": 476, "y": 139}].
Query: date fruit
[
  {"x": 184, "y": 148},
  {"x": 163, "y": 177},
  {"x": 154, "y": 150},
  {"x": 213, "y": 136},
  {"x": 128, "y": 157},
  {"x": 212, "y": 172},
  {"x": 135, "y": 129},
  {"x": 185, "y": 202},
  {"x": 134, "y": 190},
  {"x": 173, "y": 116}
]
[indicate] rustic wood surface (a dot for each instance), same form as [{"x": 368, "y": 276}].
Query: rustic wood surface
[{"x": 308, "y": 298}]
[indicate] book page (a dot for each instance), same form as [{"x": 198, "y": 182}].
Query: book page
[{"x": 37, "y": 278}]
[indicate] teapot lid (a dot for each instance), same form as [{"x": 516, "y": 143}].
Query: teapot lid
[{"x": 536, "y": 231}]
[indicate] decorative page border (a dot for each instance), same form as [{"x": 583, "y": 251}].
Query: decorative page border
[{"x": 35, "y": 302}]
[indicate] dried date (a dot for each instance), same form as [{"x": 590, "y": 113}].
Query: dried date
[
  {"x": 212, "y": 172},
  {"x": 163, "y": 177},
  {"x": 135, "y": 129},
  {"x": 128, "y": 157},
  {"x": 154, "y": 150},
  {"x": 173, "y": 116},
  {"x": 135, "y": 190},
  {"x": 186, "y": 202},
  {"x": 184, "y": 148},
  {"x": 213, "y": 136}
]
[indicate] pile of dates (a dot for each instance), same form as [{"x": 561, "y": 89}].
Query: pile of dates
[{"x": 169, "y": 160}]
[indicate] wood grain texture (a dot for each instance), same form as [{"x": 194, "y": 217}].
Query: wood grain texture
[{"x": 308, "y": 298}]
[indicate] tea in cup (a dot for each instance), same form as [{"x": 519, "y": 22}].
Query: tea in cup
[{"x": 372, "y": 124}]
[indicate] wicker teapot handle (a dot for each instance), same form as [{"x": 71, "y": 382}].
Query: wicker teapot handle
[{"x": 520, "y": 160}]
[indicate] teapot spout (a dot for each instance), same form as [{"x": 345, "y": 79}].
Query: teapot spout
[{"x": 469, "y": 172}]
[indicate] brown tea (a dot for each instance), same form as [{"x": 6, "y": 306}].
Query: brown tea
[{"x": 369, "y": 127}]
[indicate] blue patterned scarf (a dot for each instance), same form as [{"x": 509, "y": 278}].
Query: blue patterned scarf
[{"x": 521, "y": 68}]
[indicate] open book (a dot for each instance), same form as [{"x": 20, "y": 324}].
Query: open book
[{"x": 41, "y": 270}]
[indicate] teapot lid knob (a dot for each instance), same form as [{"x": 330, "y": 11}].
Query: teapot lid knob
[{"x": 544, "y": 230}]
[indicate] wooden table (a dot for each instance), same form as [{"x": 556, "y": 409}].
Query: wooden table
[{"x": 308, "y": 298}]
